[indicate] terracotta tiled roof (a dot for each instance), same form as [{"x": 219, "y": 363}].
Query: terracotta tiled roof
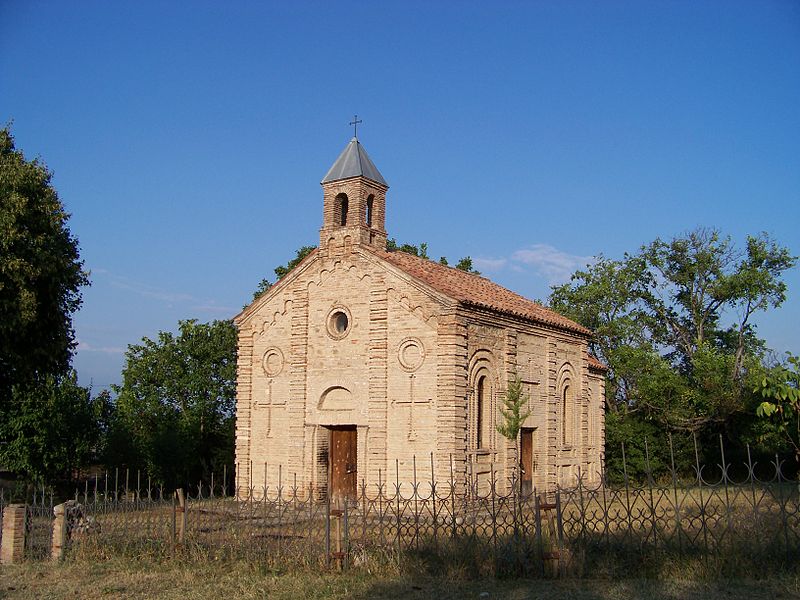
[
  {"x": 594, "y": 363},
  {"x": 474, "y": 290}
]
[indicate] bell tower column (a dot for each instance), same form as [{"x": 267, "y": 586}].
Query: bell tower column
[{"x": 354, "y": 202}]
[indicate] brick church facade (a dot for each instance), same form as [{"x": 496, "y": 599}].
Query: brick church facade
[{"x": 362, "y": 365}]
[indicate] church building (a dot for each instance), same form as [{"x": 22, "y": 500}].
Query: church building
[{"x": 363, "y": 365}]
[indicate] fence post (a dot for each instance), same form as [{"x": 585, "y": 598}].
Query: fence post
[
  {"x": 346, "y": 544},
  {"x": 538, "y": 530},
  {"x": 180, "y": 509},
  {"x": 582, "y": 506},
  {"x": 433, "y": 501},
  {"x": 328, "y": 523},
  {"x": 561, "y": 546},
  {"x": 59, "y": 537},
  {"x": 453, "y": 500},
  {"x": 12, "y": 549},
  {"x": 397, "y": 502},
  {"x": 339, "y": 553}
]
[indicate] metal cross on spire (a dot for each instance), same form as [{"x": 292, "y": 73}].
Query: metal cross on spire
[{"x": 355, "y": 123}]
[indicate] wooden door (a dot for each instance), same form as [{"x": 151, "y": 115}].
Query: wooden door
[
  {"x": 526, "y": 460},
  {"x": 343, "y": 461}
]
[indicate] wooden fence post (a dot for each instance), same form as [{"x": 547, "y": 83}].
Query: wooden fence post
[
  {"x": 181, "y": 521},
  {"x": 59, "y": 538},
  {"x": 338, "y": 554},
  {"x": 12, "y": 549}
]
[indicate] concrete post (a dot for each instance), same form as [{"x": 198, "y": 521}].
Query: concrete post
[
  {"x": 59, "y": 539},
  {"x": 12, "y": 549}
]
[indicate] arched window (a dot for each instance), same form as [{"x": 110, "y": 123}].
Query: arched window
[
  {"x": 480, "y": 403},
  {"x": 566, "y": 390},
  {"x": 567, "y": 415},
  {"x": 370, "y": 200},
  {"x": 341, "y": 209}
]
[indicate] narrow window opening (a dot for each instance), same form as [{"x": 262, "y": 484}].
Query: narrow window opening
[
  {"x": 370, "y": 201},
  {"x": 566, "y": 416},
  {"x": 590, "y": 422},
  {"x": 341, "y": 209},
  {"x": 479, "y": 412}
]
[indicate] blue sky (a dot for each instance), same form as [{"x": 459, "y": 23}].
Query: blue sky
[{"x": 188, "y": 139}]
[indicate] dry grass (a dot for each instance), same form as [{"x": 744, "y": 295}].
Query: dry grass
[
  {"x": 129, "y": 579},
  {"x": 241, "y": 551}
]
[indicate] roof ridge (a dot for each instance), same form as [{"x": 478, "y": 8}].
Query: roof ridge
[
  {"x": 452, "y": 268},
  {"x": 358, "y": 155},
  {"x": 477, "y": 290}
]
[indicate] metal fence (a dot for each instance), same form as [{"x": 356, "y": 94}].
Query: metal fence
[
  {"x": 730, "y": 522},
  {"x": 571, "y": 529},
  {"x": 39, "y": 524},
  {"x": 721, "y": 522}
]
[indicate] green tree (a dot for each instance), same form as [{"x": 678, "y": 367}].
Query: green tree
[
  {"x": 694, "y": 278},
  {"x": 175, "y": 407},
  {"x": 673, "y": 323},
  {"x": 46, "y": 419},
  {"x": 513, "y": 413},
  {"x": 781, "y": 388},
  {"x": 421, "y": 250},
  {"x": 40, "y": 274},
  {"x": 465, "y": 264},
  {"x": 56, "y": 427},
  {"x": 513, "y": 410},
  {"x": 282, "y": 270},
  {"x": 604, "y": 298}
]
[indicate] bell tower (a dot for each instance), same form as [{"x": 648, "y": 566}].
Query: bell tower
[{"x": 354, "y": 202}]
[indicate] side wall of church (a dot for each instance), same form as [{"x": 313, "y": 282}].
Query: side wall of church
[
  {"x": 568, "y": 384},
  {"x": 565, "y": 402},
  {"x": 596, "y": 434}
]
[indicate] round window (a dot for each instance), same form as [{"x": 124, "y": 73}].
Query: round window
[{"x": 338, "y": 323}]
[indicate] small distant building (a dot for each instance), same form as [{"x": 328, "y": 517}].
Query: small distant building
[{"x": 362, "y": 365}]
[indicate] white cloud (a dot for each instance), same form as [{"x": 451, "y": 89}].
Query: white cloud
[
  {"x": 489, "y": 264},
  {"x": 214, "y": 309},
  {"x": 87, "y": 347},
  {"x": 550, "y": 262},
  {"x": 171, "y": 298},
  {"x": 148, "y": 291}
]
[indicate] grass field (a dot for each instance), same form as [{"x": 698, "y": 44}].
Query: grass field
[
  {"x": 730, "y": 543},
  {"x": 128, "y": 579}
]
